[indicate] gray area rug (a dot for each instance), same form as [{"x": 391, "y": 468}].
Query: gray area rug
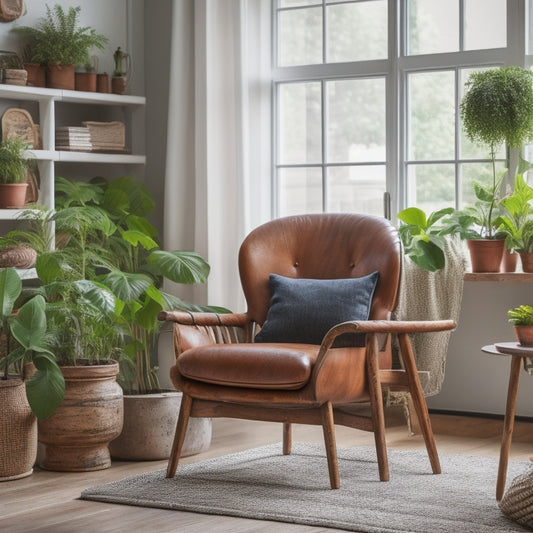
[{"x": 263, "y": 484}]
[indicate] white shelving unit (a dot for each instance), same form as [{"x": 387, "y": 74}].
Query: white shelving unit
[{"x": 52, "y": 107}]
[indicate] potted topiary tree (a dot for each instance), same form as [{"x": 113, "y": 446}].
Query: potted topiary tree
[
  {"x": 497, "y": 108},
  {"x": 60, "y": 43},
  {"x": 13, "y": 173}
]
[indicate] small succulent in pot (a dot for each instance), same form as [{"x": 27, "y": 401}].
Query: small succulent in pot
[{"x": 522, "y": 318}]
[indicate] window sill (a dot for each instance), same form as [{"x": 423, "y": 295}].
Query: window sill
[{"x": 520, "y": 277}]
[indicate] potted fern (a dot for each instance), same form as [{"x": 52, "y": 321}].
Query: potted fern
[
  {"x": 497, "y": 108},
  {"x": 13, "y": 173},
  {"x": 60, "y": 43}
]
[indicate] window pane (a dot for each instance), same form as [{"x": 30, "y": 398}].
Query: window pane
[
  {"x": 431, "y": 187},
  {"x": 485, "y": 25},
  {"x": 356, "y": 189},
  {"x": 355, "y": 122},
  {"x": 300, "y": 191},
  {"x": 294, "y": 3},
  {"x": 300, "y": 37},
  {"x": 433, "y": 26},
  {"x": 300, "y": 123},
  {"x": 356, "y": 31},
  {"x": 477, "y": 172},
  {"x": 431, "y": 115}
]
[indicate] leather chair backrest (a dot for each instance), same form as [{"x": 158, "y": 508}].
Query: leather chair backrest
[{"x": 321, "y": 246}]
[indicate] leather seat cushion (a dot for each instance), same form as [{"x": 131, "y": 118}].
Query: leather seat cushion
[{"x": 264, "y": 366}]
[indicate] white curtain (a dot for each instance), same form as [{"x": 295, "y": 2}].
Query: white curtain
[{"x": 218, "y": 146}]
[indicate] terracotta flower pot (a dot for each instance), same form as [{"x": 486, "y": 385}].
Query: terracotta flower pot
[
  {"x": 77, "y": 435},
  {"x": 61, "y": 77},
  {"x": 102, "y": 83},
  {"x": 18, "y": 431},
  {"x": 509, "y": 261},
  {"x": 524, "y": 335},
  {"x": 486, "y": 254},
  {"x": 527, "y": 261},
  {"x": 118, "y": 84},
  {"x": 36, "y": 75},
  {"x": 85, "y": 81},
  {"x": 13, "y": 195}
]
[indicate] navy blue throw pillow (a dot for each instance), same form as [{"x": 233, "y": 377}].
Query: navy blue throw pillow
[{"x": 303, "y": 310}]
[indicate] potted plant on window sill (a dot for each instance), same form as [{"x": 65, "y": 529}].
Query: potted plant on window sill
[
  {"x": 60, "y": 43},
  {"x": 497, "y": 108}
]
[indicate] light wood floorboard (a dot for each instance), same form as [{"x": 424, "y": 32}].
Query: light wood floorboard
[{"x": 47, "y": 501}]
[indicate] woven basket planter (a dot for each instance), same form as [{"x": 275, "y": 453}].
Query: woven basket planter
[
  {"x": 18, "y": 431},
  {"x": 517, "y": 502},
  {"x": 18, "y": 257}
]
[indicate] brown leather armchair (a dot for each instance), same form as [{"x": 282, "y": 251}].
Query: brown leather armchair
[{"x": 224, "y": 373}]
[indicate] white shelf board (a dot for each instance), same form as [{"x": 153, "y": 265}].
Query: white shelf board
[
  {"x": 27, "y": 273},
  {"x": 22, "y": 92},
  {"x": 88, "y": 157},
  {"x": 82, "y": 97},
  {"x": 11, "y": 214}
]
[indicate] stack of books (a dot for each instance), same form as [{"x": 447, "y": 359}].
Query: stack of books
[{"x": 75, "y": 138}]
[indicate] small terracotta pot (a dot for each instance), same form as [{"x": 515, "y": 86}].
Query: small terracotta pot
[
  {"x": 61, "y": 77},
  {"x": 118, "y": 84},
  {"x": 13, "y": 195},
  {"x": 486, "y": 254},
  {"x": 85, "y": 81},
  {"x": 102, "y": 83},
  {"x": 527, "y": 261},
  {"x": 509, "y": 261},
  {"x": 36, "y": 75},
  {"x": 524, "y": 335}
]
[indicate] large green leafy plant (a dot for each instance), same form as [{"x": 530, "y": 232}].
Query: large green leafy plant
[
  {"x": 58, "y": 39},
  {"x": 26, "y": 340},
  {"x": 133, "y": 269}
]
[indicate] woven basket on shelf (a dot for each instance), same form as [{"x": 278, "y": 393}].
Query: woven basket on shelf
[
  {"x": 18, "y": 257},
  {"x": 517, "y": 502},
  {"x": 107, "y": 134}
]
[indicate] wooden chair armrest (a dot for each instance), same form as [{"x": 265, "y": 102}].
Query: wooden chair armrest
[{"x": 187, "y": 318}]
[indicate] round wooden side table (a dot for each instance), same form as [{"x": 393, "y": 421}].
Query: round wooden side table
[{"x": 517, "y": 353}]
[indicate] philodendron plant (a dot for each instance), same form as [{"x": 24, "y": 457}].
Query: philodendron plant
[{"x": 28, "y": 327}]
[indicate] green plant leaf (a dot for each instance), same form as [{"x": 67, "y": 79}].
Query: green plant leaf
[
  {"x": 10, "y": 289},
  {"x": 97, "y": 294},
  {"x": 413, "y": 216},
  {"x": 29, "y": 325},
  {"x": 136, "y": 238},
  {"x": 180, "y": 267},
  {"x": 46, "y": 389},
  {"x": 127, "y": 286}
]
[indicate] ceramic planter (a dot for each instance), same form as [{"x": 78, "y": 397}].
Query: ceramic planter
[
  {"x": 61, "y": 77},
  {"x": 486, "y": 254},
  {"x": 524, "y": 335},
  {"x": 36, "y": 75},
  {"x": 77, "y": 435},
  {"x": 85, "y": 81},
  {"x": 13, "y": 195},
  {"x": 18, "y": 431},
  {"x": 149, "y": 426},
  {"x": 527, "y": 261}
]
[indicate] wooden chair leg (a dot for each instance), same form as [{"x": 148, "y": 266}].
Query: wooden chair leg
[
  {"x": 287, "y": 439},
  {"x": 419, "y": 401},
  {"x": 328, "y": 427},
  {"x": 179, "y": 437},
  {"x": 376, "y": 405}
]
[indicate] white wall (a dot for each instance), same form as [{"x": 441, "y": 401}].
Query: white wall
[{"x": 475, "y": 381}]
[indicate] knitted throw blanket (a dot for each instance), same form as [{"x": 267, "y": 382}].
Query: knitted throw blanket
[{"x": 437, "y": 295}]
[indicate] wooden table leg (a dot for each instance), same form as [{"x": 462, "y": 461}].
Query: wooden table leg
[{"x": 508, "y": 424}]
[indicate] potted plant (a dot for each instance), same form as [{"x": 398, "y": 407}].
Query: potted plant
[
  {"x": 85, "y": 78},
  {"x": 522, "y": 318},
  {"x": 424, "y": 237},
  {"x": 497, "y": 108},
  {"x": 13, "y": 173},
  {"x": 23, "y": 341},
  {"x": 133, "y": 268},
  {"x": 60, "y": 43},
  {"x": 517, "y": 221}
]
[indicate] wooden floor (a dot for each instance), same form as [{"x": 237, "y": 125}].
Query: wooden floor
[{"x": 47, "y": 501}]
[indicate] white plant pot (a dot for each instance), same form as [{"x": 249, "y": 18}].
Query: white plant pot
[{"x": 149, "y": 426}]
